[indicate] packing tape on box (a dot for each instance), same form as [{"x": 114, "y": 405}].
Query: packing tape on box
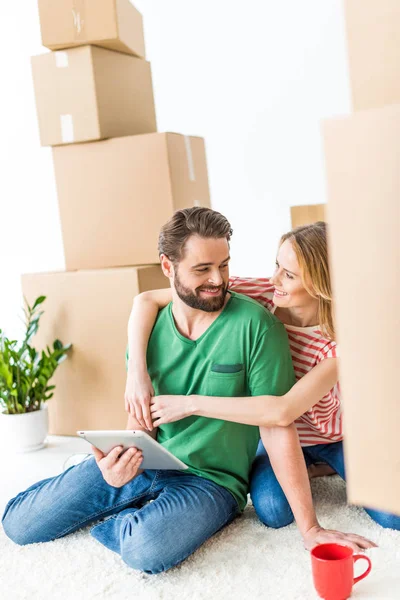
[
  {"x": 78, "y": 16},
  {"x": 61, "y": 58},
  {"x": 67, "y": 128},
  {"x": 189, "y": 156}
]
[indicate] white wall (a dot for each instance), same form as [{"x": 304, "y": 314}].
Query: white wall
[{"x": 254, "y": 78}]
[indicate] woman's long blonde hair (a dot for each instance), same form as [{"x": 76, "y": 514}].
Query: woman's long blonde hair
[{"x": 311, "y": 247}]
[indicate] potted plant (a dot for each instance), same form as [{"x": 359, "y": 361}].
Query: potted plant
[{"x": 24, "y": 384}]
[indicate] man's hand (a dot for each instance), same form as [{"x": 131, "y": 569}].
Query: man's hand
[
  {"x": 138, "y": 393},
  {"x": 118, "y": 471},
  {"x": 317, "y": 535},
  {"x": 167, "y": 409}
]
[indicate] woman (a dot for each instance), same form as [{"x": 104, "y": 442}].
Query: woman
[{"x": 299, "y": 294}]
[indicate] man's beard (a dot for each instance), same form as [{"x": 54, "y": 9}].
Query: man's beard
[{"x": 194, "y": 300}]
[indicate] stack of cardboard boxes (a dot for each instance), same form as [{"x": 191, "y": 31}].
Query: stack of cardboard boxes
[
  {"x": 118, "y": 181},
  {"x": 306, "y": 214},
  {"x": 363, "y": 172}
]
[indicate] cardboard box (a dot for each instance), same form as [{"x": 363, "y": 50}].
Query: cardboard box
[
  {"x": 113, "y": 24},
  {"x": 115, "y": 195},
  {"x": 303, "y": 215},
  {"x": 362, "y": 163},
  {"x": 89, "y": 93},
  {"x": 90, "y": 309},
  {"x": 373, "y": 40}
]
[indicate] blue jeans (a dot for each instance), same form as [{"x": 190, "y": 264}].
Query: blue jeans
[
  {"x": 270, "y": 501},
  {"x": 150, "y": 536}
]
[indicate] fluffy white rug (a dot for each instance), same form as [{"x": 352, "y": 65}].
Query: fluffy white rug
[{"x": 245, "y": 560}]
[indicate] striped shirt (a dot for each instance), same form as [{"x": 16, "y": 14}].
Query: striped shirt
[{"x": 322, "y": 424}]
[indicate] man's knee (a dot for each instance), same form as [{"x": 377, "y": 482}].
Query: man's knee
[
  {"x": 17, "y": 530},
  {"x": 143, "y": 548},
  {"x": 145, "y": 561}
]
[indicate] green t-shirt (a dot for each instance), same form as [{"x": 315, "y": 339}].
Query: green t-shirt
[{"x": 244, "y": 352}]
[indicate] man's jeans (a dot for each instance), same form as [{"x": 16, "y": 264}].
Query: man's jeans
[
  {"x": 150, "y": 536},
  {"x": 270, "y": 501}
]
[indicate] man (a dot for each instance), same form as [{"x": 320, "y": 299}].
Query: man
[{"x": 207, "y": 341}]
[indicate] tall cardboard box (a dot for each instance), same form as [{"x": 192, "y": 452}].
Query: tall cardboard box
[
  {"x": 308, "y": 213},
  {"x": 90, "y": 93},
  {"x": 363, "y": 171},
  {"x": 115, "y": 195},
  {"x": 90, "y": 309},
  {"x": 113, "y": 24},
  {"x": 373, "y": 41}
]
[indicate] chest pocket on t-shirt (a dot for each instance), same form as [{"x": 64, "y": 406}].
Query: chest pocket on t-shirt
[{"x": 226, "y": 380}]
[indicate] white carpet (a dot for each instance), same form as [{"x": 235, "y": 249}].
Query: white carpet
[{"x": 245, "y": 560}]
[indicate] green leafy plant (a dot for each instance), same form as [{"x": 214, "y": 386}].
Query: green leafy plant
[{"x": 24, "y": 372}]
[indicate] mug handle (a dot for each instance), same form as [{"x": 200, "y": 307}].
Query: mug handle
[{"x": 357, "y": 557}]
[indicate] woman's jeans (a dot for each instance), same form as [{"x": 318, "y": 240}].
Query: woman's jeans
[
  {"x": 270, "y": 501},
  {"x": 154, "y": 522}
]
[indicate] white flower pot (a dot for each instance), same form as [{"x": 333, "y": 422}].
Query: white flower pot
[{"x": 25, "y": 432}]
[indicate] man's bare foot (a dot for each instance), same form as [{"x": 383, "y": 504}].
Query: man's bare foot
[{"x": 320, "y": 470}]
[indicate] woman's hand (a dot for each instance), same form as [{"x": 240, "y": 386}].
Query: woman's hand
[
  {"x": 138, "y": 394},
  {"x": 318, "y": 535},
  {"x": 167, "y": 409}
]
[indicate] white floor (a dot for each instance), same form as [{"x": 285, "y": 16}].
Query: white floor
[
  {"x": 19, "y": 471},
  {"x": 245, "y": 560}
]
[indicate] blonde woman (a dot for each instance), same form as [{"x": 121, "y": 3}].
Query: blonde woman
[{"x": 299, "y": 294}]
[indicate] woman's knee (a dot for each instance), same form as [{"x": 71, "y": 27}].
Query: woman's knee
[
  {"x": 273, "y": 513},
  {"x": 268, "y": 498},
  {"x": 384, "y": 519},
  {"x": 272, "y": 509}
]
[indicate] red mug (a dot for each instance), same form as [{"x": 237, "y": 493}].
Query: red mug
[{"x": 333, "y": 570}]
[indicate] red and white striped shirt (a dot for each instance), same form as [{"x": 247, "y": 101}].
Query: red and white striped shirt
[{"x": 322, "y": 424}]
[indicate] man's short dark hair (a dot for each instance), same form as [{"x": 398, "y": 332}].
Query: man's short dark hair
[{"x": 204, "y": 222}]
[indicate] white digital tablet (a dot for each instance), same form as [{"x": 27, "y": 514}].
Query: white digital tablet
[{"x": 155, "y": 456}]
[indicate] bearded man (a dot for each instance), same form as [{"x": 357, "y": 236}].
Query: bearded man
[{"x": 207, "y": 341}]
